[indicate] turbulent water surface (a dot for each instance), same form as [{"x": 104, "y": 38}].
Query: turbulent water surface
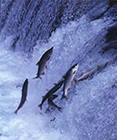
[{"x": 81, "y": 32}]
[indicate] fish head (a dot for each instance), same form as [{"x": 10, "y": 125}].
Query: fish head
[
  {"x": 26, "y": 80},
  {"x": 75, "y": 68},
  {"x": 49, "y": 53},
  {"x": 50, "y": 50}
]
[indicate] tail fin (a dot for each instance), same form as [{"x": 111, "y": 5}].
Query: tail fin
[
  {"x": 37, "y": 77},
  {"x": 16, "y": 111},
  {"x": 64, "y": 97}
]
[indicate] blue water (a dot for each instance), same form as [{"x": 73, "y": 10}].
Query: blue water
[{"x": 77, "y": 31}]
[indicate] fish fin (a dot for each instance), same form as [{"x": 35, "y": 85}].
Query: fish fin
[
  {"x": 35, "y": 77},
  {"x": 43, "y": 73},
  {"x": 40, "y": 77},
  {"x": 90, "y": 77},
  {"x": 64, "y": 97},
  {"x": 60, "y": 109},
  {"x": 16, "y": 111},
  {"x": 53, "y": 119},
  {"x": 55, "y": 84}
]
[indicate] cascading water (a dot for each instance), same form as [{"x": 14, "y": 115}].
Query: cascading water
[
  {"x": 28, "y": 20},
  {"x": 79, "y": 31}
]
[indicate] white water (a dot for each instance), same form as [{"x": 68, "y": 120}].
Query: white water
[{"x": 84, "y": 116}]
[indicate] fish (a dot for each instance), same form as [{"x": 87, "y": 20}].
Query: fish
[
  {"x": 86, "y": 75},
  {"x": 68, "y": 78},
  {"x": 42, "y": 63},
  {"x": 56, "y": 87},
  {"x": 51, "y": 103},
  {"x": 24, "y": 95}
]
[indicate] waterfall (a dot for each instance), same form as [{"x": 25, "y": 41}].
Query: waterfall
[
  {"x": 81, "y": 31},
  {"x": 28, "y": 20}
]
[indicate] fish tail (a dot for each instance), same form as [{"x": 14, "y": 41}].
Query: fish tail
[
  {"x": 35, "y": 77},
  {"x": 59, "y": 108},
  {"x": 63, "y": 97},
  {"x": 16, "y": 111},
  {"x": 64, "y": 94}
]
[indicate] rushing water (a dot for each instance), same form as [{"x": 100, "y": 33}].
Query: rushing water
[{"x": 78, "y": 31}]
